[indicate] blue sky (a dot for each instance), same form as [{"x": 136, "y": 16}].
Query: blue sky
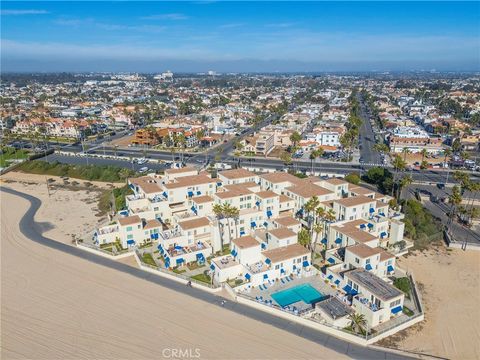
[{"x": 239, "y": 36}]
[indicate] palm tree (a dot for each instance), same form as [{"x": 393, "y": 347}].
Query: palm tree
[
  {"x": 454, "y": 199},
  {"x": 399, "y": 165},
  {"x": 317, "y": 229},
  {"x": 424, "y": 153},
  {"x": 404, "y": 182},
  {"x": 357, "y": 322},
  {"x": 310, "y": 207},
  {"x": 218, "y": 210},
  {"x": 232, "y": 212},
  {"x": 405, "y": 152}
]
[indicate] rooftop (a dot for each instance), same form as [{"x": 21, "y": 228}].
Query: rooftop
[
  {"x": 285, "y": 252},
  {"x": 354, "y": 201},
  {"x": 363, "y": 251},
  {"x": 373, "y": 284},
  {"x": 237, "y": 174},
  {"x": 245, "y": 242},
  {"x": 181, "y": 170},
  {"x": 194, "y": 223},
  {"x": 334, "y": 308},
  {"x": 282, "y": 233},
  {"x": 202, "y": 199},
  {"x": 129, "y": 220},
  {"x": 286, "y": 221}
]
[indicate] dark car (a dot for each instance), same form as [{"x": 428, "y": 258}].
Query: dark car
[{"x": 441, "y": 186}]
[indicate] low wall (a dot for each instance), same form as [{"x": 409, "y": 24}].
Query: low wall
[
  {"x": 104, "y": 253},
  {"x": 174, "y": 277},
  {"x": 460, "y": 245}
]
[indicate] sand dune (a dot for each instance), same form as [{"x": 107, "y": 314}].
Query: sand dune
[{"x": 57, "y": 306}]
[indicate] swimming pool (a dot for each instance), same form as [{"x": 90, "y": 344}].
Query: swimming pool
[{"x": 304, "y": 292}]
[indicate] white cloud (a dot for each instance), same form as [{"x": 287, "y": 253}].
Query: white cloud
[
  {"x": 23, "y": 12},
  {"x": 90, "y": 22},
  {"x": 173, "y": 16}
]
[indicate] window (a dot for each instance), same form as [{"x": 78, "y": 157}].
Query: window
[
  {"x": 357, "y": 260},
  {"x": 130, "y": 236},
  {"x": 129, "y": 228},
  {"x": 367, "y": 261},
  {"x": 277, "y": 267}
]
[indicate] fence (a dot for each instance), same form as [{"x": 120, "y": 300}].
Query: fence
[{"x": 105, "y": 253}]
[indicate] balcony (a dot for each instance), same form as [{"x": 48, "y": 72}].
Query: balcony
[
  {"x": 361, "y": 301},
  {"x": 107, "y": 230}
]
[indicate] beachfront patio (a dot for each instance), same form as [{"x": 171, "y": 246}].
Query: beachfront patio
[{"x": 264, "y": 293}]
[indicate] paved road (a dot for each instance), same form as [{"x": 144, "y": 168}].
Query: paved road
[
  {"x": 367, "y": 137},
  {"x": 32, "y": 231},
  {"x": 440, "y": 210}
]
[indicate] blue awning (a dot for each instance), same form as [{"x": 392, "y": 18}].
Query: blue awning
[
  {"x": 165, "y": 194},
  {"x": 294, "y": 267},
  {"x": 331, "y": 260},
  {"x": 382, "y": 214},
  {"x": 219, "y": 183},
  {"x": 178, "y": 247},
  {"x": 212, "y": 266},
  {"x": 372, "y": 210},
  {"x": 199, "y": 192},
  {"x": 383, "y": 234},
  {"x": 253, "y": 224},
  {"x": 338, "y": 241},
  {"x": 265, "y": 276},
  {"x": 349, "y": 290},
  {"x": 233, "y": 252},
  {"x": 179, "y": 261},
  {"x": 362, "y": 226},
  {"x": 330, "y": 277},
  {"x": 257, "y": 203},
  {"x": 193, "y": 208},
  {"x": 242, "y": 233},
  {"x": 337, "y": 282},
  {"x": 265, "y": 224},
  {"x": 390, "y": 268},
  {"x": 282, "y": 271},
  {"x": 130, "y": 242},
  {"x": 300, "y": 211},
  {"x": 324, "y": 241},
  {"x": 248, "y": 276},
  {"x": 190, "y": 193},
  {"x": 200, "y": 256},
  {"x": 370, "y": 225},
  {"x": 368, "y": 267},
  {"x": 306, "y": 263},
  {"x": 167, "y": 264},
  {"x": 264, "y": 246},
  {"x": 396, "y": 309},
  {"x": 269, "y": 213},
  {"x": 267, "y": 261}
]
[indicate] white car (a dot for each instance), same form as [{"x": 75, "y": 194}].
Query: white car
[
  {"x": 142, "y": 161},
  {"x": 143, "y": 169}
]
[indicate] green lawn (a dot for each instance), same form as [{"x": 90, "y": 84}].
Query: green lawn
[
  {"x": 203, "y": 278},
  {"x": 148, "y": 259},
  {"x": 9, "y": 154}
]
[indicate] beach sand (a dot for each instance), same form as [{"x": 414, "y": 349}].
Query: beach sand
[
  {"x": 58, "y": 306},
  {"x": 449, "y": 282},
  {"x": 69, "y": 209}
]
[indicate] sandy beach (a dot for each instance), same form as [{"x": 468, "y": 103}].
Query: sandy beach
[
  {"x": 58, "y": 306},
  {"x": 67, "y": 208},
  {"x": 449, "y": 281}
]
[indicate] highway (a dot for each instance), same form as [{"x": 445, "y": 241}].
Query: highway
[{"x": 32, "y": 231}]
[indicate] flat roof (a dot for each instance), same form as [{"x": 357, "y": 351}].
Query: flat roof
[
  {"x": 282, "y": 232},
  {"x": 374, "y": 284},
  {"x": 202, "y": 199},
  {"x": 336, "y": 181},
  {"x": 236, "y": 173},
  {"x": 354, "y": 200},
  {"x": 194, "y": 223},
  {"x": 363, "y": 251},
  {"x": 286, "y": 221},
  {"x": 266, "y": 194},
  {"x": 279, "y": 177},
  {"x": 308, "y": 190},
  {"x": 285, "y": 252},
  {"x": 245, "y": 242},
  {"x": 129, "y": 220},
  {"x": 181, "y": 170},
  {"x": 334, "y": 308}
]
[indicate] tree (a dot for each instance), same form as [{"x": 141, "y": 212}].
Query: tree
[
  {"x": 310, "y": 207},
  {"x": 231, "y": 212},
  {"x": 357, "y": 322},
  {"x": 218, "y": 210},
  {"x": 454, "y": 199},
  {"x": 286, "y": 158},
  {"x": 304, "y": 238},
  {"x": 424, "y": 165},
  {"x": 404, "y": 182},
  {"x": 353, "y": 178},
  {"x": 424, "y": 153},
  {"x": 295, "y": 138}
]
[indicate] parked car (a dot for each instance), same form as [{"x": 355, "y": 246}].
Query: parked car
[{"x": 143, "y": 169}]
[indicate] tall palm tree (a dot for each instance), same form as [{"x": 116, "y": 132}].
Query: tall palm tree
[
  {"x": 218, "y": 210},
  {"x": 454, "y": 199},
  {"x": 310, "y": 207},
  {"x": 317, "y": 229},
  {"x": 404, "y": 182}
]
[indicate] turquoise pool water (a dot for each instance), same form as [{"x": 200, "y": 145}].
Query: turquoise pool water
[{"x": 305, "y": 292}]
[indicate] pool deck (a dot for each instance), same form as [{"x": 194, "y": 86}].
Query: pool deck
[{"x": 315, "y": 281}]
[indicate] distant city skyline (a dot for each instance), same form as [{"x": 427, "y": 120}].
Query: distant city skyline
[{"x": 240, "y": 36}]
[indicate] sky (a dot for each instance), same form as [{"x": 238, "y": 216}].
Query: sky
[{"x": 239, "y": 36}]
